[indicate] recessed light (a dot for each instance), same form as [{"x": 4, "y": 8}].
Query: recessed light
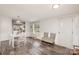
[{"x": 56, "y": 6}]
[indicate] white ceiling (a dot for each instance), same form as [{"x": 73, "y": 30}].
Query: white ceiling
[{"x": 33, "y": 12}]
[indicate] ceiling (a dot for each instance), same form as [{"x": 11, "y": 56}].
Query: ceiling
[{"x": 33, "y": 12}]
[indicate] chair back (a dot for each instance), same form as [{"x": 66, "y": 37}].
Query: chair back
[
  {"x": 45, "y": 34},
  {"x": 52, "y": 36}
]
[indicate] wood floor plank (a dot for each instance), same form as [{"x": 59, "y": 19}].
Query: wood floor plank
[{"x": 34, "y": 47}]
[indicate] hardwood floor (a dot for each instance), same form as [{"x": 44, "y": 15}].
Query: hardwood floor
[{"x": 33, "y": 47}]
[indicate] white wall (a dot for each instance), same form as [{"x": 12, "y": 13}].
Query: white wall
[
  {"x": 5, "y": 28},
  {"x": 28, "y": 31},
  {"x": 63, "y": 27}
]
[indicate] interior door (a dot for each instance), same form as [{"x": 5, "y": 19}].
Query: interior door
[
  {"x": 65, "y": 32},
  {"x": 76, "y": 30}
]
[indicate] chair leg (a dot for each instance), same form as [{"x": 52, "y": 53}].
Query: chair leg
[
  {"x": 13, "y": 43},
  {"x": 10, "y": 41}
]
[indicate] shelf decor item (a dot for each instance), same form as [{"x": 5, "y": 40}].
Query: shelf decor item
[{"x": 18, "y": 26}]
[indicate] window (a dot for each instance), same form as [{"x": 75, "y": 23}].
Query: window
[{"x": 35, "y": 28}]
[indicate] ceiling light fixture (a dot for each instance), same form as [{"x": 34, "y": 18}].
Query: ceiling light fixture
[{"x": 56, "y": 6}]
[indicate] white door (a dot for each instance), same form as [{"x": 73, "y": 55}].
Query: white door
[
  {"x": 65, "y": 32},
  {"x": 76, "y": 31}
]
